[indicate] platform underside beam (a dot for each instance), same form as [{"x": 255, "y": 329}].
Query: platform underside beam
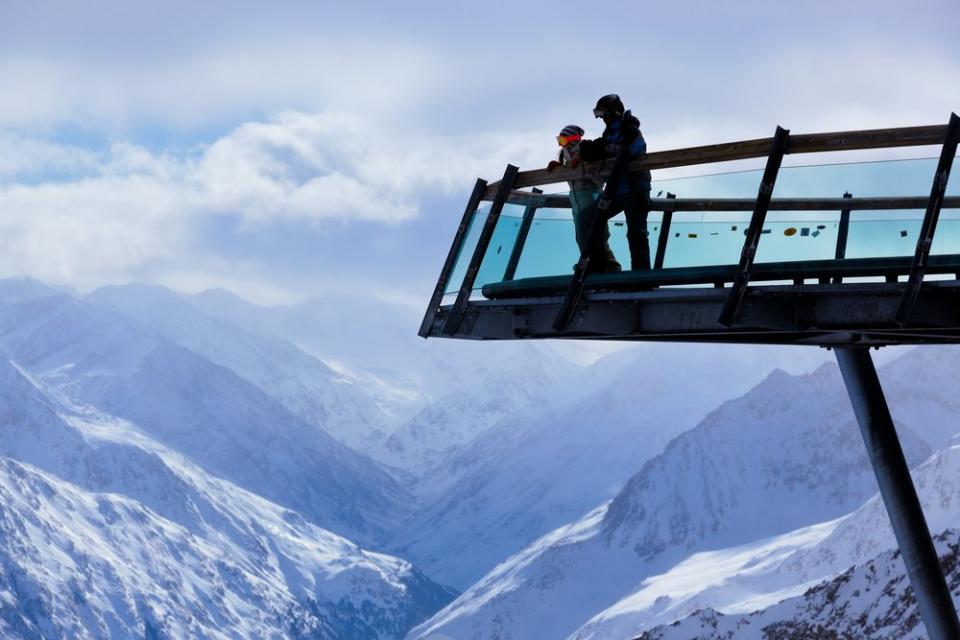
[{"x": 817, "y": 314}]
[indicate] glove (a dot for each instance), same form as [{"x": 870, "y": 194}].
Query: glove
[{"x": 553, "y": 164}]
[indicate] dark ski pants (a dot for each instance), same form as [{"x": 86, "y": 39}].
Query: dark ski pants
[{"x": 635, "y": 208}]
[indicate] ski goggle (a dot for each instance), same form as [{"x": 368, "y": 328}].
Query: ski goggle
[
  {"x": 599, "y": 113},
  {"x": 565, "y": 140}
]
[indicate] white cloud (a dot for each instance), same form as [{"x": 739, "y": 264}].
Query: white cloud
[
  {"x": 88, "y": 230},
  {"x": 192, "y": 89},
  {"x": 130, "y": 209},
  {"x": 21, "y": 156}
]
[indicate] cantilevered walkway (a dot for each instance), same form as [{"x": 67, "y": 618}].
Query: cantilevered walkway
[{"x": 842, "y": 254}]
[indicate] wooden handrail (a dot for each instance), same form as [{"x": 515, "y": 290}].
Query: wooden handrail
[{"x": 742, "y": 150}]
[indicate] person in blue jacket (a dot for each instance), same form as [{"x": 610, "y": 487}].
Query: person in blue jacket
[{"x": 633, "y": 194}]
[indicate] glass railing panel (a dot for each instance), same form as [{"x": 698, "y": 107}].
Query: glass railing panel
[
  {"x": 466, "y": 250},
  {"x": 701, "y": 239},
  {"x": 738, "y": 184},
  {"x": 878, "y": 234},
  {"x": 496, "y": 256},
  {"x": 716, "y": 237},
  {"x": 551, "y": 246},
  {"x": 888, "y": 178},
  {"x": 790, "y": 236},
  {"x": 498, "y": 252},
  {"x": 946, "y": 238}
]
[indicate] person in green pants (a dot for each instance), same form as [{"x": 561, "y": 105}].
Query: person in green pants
[{"x": 584, "y": 192}]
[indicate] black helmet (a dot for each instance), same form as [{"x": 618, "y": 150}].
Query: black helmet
[{"x": 609, "y": 104}]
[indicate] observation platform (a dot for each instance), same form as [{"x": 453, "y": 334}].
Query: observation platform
[
  {"x": 835, "y": 253},
  {"x": 843, "y": 254}
]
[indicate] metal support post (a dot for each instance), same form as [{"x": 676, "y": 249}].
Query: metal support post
[
  {"x": 452, "y": 322},
  {"x": 898, "y": 493},
  {"x": 842, "y": 232},
  {"x": 528, "y": 213},
  {"x": 930, "y": 217},
  {"x": 731, "y": 309},
  {"x": 452, "y": 256},
  {"x": 664, "y": 237}
]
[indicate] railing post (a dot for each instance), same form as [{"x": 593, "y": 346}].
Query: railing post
[
  {"x": 898, "y": 494},
  {"x": 664, "y": 237},
  {"x": 731, "y": 308},
  {"x": 929, "y": 226},
  {"x": 528, "y": 213},
  {"x": 452, "y": 256},
  {"x": 453, "y": 320},
  {"x": 842, "y": 232}
]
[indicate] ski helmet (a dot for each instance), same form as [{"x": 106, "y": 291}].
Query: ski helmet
[
  {"x": 570, "y": 133},
  {"x": 610, "y": 104}
]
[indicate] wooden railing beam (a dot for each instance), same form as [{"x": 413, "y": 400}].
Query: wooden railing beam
[{"x": 743, "y": 150}]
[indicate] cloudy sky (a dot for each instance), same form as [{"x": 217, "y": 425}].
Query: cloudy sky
[{"x": 289, "y": 149}]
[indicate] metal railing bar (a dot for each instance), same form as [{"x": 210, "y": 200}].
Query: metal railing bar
[
  {"x": 930, "y": 218},
  {"x": 842, "y": 232},
  {"x": 754, "y": 231},
  {"x": 664, "y": 237},
  {"x": 561, "y": 201},
  {"x": 521, "y": 241}
]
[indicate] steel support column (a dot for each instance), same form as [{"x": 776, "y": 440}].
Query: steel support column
[{"x": 898, "y": 493}]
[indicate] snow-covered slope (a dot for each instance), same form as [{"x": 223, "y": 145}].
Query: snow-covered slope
[
  {"x": 205, "y": 411},
  {"x": 760, "y": 574},
  {"x": 551, "y": 464},
  {"x": 784, "y": 456},
  {"x": 527, "y": 379},
  {"x": 872, "y": 601},
  {"x": 20, "y": 289},
  {"x": 107, "y": 533},
  {"x": 372, "y": 341},
  {"x": 303, "y": 384}
]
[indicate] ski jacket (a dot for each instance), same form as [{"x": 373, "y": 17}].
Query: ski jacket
[
  {"x": 623, "y": 132},
  {"x": 587, "y": 183}
]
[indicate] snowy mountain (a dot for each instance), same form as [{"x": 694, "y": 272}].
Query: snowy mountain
[
  {"x": 20, "y": 289},
  {"x": 786, "y": 455},
  {"x": 527, "y": 378},
  {"x": 223, "y": 423},
  {"x": 174, "y": 451},
  {"x": 304, "y": 385},
  {"x": 873, "y": 601},
  {"x": 866, "y": 593},
  {"x": 106, "y": 532},
  {"x": 555, "y": 461},
  {"x": 373, "y": 342}
]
